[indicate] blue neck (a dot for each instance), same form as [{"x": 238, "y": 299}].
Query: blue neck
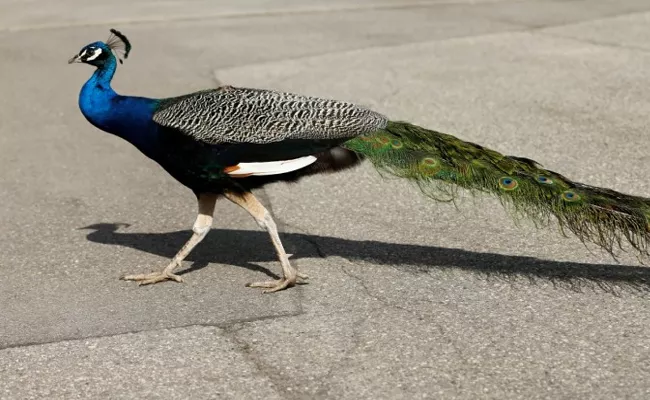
[{"x": 127, "y": 117}]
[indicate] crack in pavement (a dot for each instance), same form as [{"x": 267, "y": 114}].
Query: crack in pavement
[
  {"x": 323, "y": 387},
  {"x": 263, "y": 369},
  {"x": 593, "y": 42},
  {"x": 223, "y": 325},
  {"x": 343, "y": 362},
  {"x": 388, "y": 303},
  {"x": 419, "y": 316},
  {"x": 578, "y": 22}
]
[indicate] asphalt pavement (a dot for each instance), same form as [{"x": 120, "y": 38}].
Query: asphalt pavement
[{"x": 408, "y": 298}]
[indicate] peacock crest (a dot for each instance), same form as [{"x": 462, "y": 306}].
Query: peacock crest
[{"x": 119, "y": 44}]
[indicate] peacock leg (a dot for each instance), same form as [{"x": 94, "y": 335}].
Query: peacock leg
[
  {"x": 201, "y": 227},
  {"x": 264, "y": 219}
]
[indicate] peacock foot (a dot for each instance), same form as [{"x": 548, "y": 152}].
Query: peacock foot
[
  {"x": 276, "y": 285},
  {"x": 154, "y": 277}
]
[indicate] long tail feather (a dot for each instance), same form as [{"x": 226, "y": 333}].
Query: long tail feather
[{"x": 441, "y": 163}]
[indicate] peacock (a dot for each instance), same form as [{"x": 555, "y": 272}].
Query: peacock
[{"x": 228, "y": 141}]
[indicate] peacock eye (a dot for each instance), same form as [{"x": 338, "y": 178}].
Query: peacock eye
[{"x": 91, "y": 53}]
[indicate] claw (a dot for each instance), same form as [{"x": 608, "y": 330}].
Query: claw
[
  {"x": 276, "y": 285},
  {"x": 154, "y": 277},
  {"x": 271, "y": 286}
]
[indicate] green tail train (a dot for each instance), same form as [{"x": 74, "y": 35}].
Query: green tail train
[{"x": 441, "y": 163}]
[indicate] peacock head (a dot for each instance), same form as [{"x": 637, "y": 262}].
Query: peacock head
[{"x": 99, "y": 53}]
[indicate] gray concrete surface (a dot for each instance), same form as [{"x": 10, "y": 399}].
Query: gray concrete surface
[{"x": 408, "y": 298}]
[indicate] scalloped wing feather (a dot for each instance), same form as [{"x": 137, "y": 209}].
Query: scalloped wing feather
[{"x": 240, "y": 115}]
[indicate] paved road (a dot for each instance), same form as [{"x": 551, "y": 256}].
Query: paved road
[{"x": 408, "y": 298}]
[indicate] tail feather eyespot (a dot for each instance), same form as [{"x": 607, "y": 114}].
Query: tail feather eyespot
[
  {"x": 381, "y": 142},
  {"x": 430, "y": 165},
  {"x": 508, "y": 183},
  {"x": 429, "y": 162},
  {"x": 570, "y": 196},
  {"x": 544, "y": 180}
]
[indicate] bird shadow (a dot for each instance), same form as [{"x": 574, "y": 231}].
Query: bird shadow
[{"x": 244, "y": 248}]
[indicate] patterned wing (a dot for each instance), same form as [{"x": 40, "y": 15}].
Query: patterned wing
[{"x": 236, "y": 115}]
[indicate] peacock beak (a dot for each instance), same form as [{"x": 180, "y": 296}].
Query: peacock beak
[{"x": 74, "y": 59}]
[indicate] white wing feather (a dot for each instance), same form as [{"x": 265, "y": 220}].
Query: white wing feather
[{"x": 271, "y": 167}]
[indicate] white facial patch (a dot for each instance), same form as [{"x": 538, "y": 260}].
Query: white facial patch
[{"x": 95, "y": 54}]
